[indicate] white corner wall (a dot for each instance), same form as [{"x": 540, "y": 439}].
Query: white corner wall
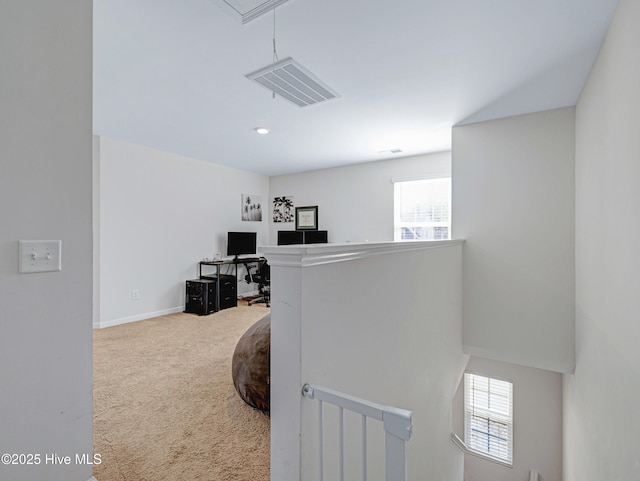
[
  {"x": 537, "y": 423},
  {"x": 159, "y": 215},
  {"x": 601, "y": 421},
  {"x": 355, "y": 203},
  {"x": 45, "y": 193},
  {"x": 381, "y": 321},
  {"x": 513, "y": 203}
]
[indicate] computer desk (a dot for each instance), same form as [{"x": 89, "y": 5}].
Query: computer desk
[{"x": 246, "y": 261}]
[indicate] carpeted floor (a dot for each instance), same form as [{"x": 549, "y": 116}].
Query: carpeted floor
[{"x": 164, "y": 404}]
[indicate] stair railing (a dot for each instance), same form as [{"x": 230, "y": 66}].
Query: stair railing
[{"x": 396, "y": 423}]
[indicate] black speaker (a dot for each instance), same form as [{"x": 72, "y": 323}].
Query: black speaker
[
  {"x": 315, "y": 236},
  {"x": 200, "y": 296},
  {"x": 290, "y": 237}
]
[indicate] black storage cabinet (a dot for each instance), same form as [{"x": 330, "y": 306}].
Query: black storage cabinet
[{"x": 228, "y": 292}]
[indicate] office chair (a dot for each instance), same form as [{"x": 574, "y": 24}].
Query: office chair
[{"x": 263, "y": 279}]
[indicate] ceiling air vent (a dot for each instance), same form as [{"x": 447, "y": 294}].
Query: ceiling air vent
[
  {"x": 247, "y": 10},
  {"x": 290, "y": 80}
]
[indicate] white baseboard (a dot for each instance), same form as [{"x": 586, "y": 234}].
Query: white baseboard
[
  {"x": 92, "y": 479},
  {"x": 249, "y": 294},
  {"x": 138, "y": 317}
]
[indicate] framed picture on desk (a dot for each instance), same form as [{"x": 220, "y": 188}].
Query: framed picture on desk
[{"x": 307, "y": 218}]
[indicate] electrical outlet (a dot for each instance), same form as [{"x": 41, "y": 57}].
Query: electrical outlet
[{"x": 135, "y": 294}]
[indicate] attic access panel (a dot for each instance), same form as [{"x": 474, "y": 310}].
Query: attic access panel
[{"x": 247, "y": 10}]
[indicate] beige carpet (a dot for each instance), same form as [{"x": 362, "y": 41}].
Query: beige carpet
[{"x": 164, "y": 404}]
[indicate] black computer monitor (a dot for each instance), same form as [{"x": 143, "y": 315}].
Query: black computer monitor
[
  {"x": 239, "y": 243},
  {"x": 290, "y": 237}
]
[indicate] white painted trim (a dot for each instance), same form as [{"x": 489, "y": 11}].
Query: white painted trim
[
  {"x": 459, "y": 442},
  {"x": 465, "y": 449},
  {"x": 138, "y": 317},
  {"x": 247, "y": 294},
  {"x": 318, "y": 254},
  {"x": 92, "y": 479}
]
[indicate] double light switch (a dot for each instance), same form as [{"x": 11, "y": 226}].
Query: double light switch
[{"x": 39, "y": 256}]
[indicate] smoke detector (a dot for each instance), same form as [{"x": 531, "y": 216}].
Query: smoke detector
[
  {"x": 247, "y": 10},
  {"x": 291, "y": 81}
]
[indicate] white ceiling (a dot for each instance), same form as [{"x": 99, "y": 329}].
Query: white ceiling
[{"x": 169, "y": 74}]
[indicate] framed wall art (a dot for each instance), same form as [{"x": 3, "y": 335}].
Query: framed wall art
[
  {"x": 283, "y": 209},
  {"x": 307, "y": 218},
  {"x": 251, "y": 207}
]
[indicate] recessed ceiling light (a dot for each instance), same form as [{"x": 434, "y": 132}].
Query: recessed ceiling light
[{"x": 262, "y": 130}]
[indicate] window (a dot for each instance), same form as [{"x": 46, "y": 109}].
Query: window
[
  {"x": 488, "y": 417},
  {"x": 422, "y": 209}
]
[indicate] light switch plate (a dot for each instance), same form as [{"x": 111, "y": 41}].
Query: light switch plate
[{"x": 39, "y": 256}]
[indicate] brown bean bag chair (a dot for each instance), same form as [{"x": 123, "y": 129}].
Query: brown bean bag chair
[{"x": 250, "y": 368}]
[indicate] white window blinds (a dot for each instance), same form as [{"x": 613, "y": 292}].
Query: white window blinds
[
  {"x": 488, "y": 417},
  {"x": 422, "y": 209}
]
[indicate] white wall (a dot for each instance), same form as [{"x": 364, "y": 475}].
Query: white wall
[
  {"x": 537, "y": 423},
  {"x": 45, "y": 193},
  {"x": 355, "y": 203},
  {"x": 159, "y": 215},
  {"x": 602, "y": 425},
  {"x": 513, "y": 203},
  {"x": 381, "y": 321}
]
